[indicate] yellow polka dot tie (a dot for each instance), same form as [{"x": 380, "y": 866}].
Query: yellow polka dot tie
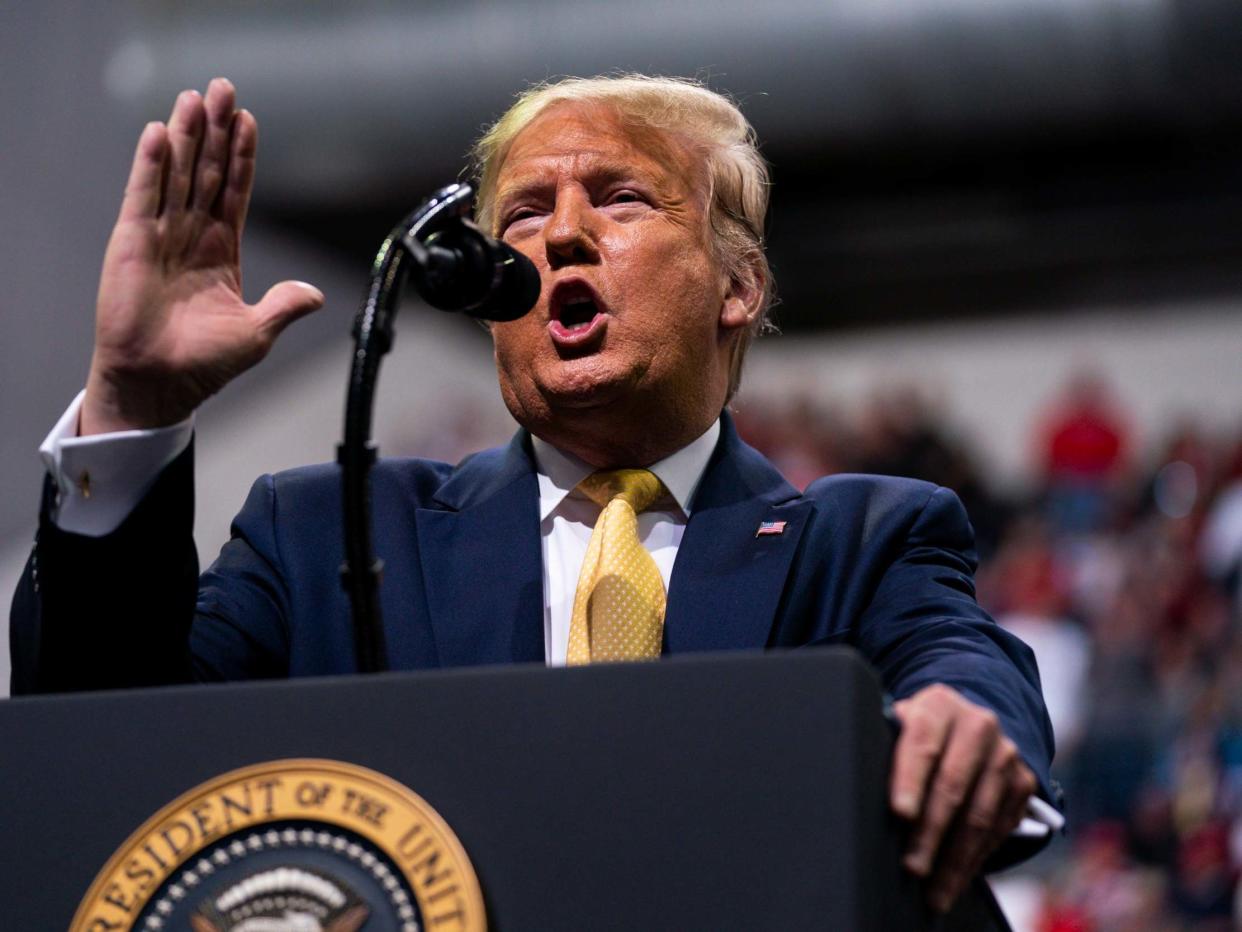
[{"x": 619, "y": 605}]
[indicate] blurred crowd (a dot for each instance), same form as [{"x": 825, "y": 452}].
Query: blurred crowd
[{"x": 1122, "y": 569}]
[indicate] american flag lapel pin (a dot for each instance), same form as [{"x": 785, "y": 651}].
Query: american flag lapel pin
[{"x": 770, "y": 528}]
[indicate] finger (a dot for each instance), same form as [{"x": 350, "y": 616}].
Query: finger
[
  {"x": 1017, "y": 791},
  {"x": 1022, "y": 786},
  {"x": 235, "y": 197},
  {"x": 144, "y": 187},
  {"x": 981, "y": 826},
  {"x": 213, "y": 159},
  {"x": 972, "y": 737},
  {"x": 185, "y": 130},
  {"x": 284, "y": 303},
  {"x": 919, "y": 746}
]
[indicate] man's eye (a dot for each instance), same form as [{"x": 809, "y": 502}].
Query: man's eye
[
  {"x": 625, "y": 197},
  {"x": 522, "y": 213}
]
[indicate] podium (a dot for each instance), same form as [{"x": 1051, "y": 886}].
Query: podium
[{"x": 708, "y": 792}]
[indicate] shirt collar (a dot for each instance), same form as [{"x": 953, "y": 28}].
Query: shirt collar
[{"x": 559, "y": 472}]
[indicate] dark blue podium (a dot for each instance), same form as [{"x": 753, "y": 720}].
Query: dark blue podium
[{"x": 726, "y": 792}]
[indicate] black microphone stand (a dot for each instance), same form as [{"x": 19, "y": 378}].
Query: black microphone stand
[{"x": 373, "y": 334}]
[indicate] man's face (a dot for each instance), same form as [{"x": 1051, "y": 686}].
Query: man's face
[{"x": 635, "y": 319}]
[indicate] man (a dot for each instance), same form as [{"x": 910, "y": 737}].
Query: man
[{"x": 641, "y": 203}]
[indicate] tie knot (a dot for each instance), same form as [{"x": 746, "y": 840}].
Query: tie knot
[{"x": 639, "y": 488}]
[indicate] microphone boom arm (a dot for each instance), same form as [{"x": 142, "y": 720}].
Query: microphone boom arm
[{"x": 373, "y": 335}]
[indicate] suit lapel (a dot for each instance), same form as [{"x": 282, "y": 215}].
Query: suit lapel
[
  {"x": 482, "y": 561},
  {"x": 727, "y": 582}
]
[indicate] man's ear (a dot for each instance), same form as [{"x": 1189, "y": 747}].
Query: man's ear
[{"x": 743, "y": 296}]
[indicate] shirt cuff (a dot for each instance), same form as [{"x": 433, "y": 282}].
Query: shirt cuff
[
  {"x": 1041, "y": 819},
  {"x": 100, "y": 479}
]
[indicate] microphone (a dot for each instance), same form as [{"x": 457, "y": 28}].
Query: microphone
[{"x": 460, "y": 268}]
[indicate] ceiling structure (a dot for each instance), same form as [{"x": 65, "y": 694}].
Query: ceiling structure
[{"x": 929, "y": 156}]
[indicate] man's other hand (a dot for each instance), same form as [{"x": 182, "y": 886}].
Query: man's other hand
[
  {"x": 170, "y": 324},
  {"x": 960, "y": 783}
]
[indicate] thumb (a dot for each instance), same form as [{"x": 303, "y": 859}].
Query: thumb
[{"x": 284, "y": 303}]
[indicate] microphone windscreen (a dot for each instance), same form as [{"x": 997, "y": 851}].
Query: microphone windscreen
[{"x": 517, "y": 290}]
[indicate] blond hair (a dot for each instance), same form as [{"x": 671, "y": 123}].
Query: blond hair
[{"x": 713, "y": 126}]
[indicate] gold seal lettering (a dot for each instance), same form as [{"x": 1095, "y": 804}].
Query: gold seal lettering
[{"x": 388, "y": 815}]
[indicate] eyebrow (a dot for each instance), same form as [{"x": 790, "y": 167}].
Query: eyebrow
[{"x": 597, "y": 170}]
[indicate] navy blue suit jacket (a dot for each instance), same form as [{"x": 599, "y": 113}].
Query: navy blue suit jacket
[{"x": 882, "y": 564}]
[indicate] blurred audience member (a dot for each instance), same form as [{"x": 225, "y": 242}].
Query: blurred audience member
[
  {"x": 1083, "y": 446},
  {"x": 1028, "y": 594},
  {"x": 1221, "y": 544}
]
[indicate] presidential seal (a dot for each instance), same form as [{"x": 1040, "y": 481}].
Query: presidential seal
[{"x": 289, "y": 846}]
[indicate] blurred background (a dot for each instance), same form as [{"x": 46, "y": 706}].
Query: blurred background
[{"x": 1007, "y": 235}]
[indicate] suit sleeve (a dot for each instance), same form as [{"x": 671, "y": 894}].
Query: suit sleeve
[
  {"x": 128, "y": 609},
  {"x": 111, "y": 611},
  {"x": 241, "y": 626},
  {"x": 923, "y": 626}
]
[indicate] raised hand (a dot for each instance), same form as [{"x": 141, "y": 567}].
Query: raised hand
[
  {"x": 960, "y": 782},
  {"x": 171, "y": 328}
]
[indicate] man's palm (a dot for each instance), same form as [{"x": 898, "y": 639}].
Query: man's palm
[{"x": 171, "y": 326}]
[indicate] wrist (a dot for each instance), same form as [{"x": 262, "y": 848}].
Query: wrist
[{"x": 113, "y": 404}]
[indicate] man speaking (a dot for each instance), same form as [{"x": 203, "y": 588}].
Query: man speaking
[{"x": 625, "y": 520}]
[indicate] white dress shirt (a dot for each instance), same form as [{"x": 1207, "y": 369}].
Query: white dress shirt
[{"x": 567, "y": 517}]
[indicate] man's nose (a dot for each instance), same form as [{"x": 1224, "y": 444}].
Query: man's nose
[{"x": 569, "y": 235}]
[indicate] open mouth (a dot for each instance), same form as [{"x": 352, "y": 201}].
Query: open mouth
[{"x": 577, "y": 314}]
